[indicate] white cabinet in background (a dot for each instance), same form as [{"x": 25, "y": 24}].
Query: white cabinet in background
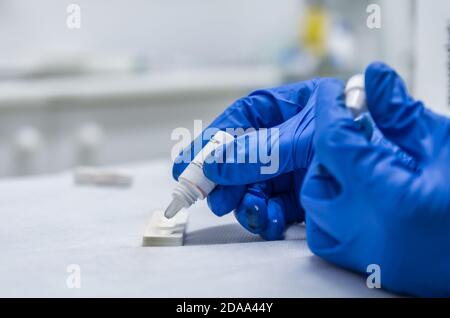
[{"x": 53, "y": 125}]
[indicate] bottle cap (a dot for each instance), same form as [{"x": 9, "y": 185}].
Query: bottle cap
[{"x": 355, "y": 82}]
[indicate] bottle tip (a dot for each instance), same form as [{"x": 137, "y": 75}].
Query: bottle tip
[{"x": 173, "y": 208}]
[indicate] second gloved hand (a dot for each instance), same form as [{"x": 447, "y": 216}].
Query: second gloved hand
[{"x": 364, "y": 205}]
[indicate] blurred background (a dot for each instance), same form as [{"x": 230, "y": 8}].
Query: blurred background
[{"x": 112, "y": 91}]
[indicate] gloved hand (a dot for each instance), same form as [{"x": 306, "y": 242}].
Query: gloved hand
[
  {"x": 264, "y": 203},
  {"x": 364, "y": 205}
]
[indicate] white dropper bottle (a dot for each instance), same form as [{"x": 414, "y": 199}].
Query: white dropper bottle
[
  {"x": 355, "y": 99},
  {"x": 192, "y": 183},
  {"x": 355, "y": 94}
]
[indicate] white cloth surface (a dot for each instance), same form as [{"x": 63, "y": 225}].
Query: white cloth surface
[{"x": 48, "y": 223}]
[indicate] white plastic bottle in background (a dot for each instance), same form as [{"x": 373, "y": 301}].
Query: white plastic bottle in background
[{"x": 192, "y": 183}]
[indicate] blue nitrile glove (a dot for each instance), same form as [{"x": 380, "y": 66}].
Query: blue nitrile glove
[
  {"x": 264, "y": 203},
  {"x": 364, "y": 205}
]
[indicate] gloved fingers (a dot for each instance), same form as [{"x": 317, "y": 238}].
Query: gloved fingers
[
  {"x": 336, "y": 132},
  {"x": 403, "y": 120},
  {"x": 224, "y": 199},
  {"x": 338, "y": 213},
  {"x": 280, "y": 184},
  {"x": 320, "y": 184},
  {"x": 264, "y": 154},
  {"x": 245, "y": 160},
  {"x": 185, "y": 157},
  {"x": 319, "y": 241},
  {"x": 345, "y": 152},
  {"x": 263, "y": 108},
  {"x": 337, "y": 250},
  {"x": 321, "y": 196},
  {"x": 276, "y": 217},
  {"x": 270, "y": 216},
  {"x": 378, "y": 139}
]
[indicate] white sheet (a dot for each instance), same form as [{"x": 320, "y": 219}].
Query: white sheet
[{"x": 48, "y": 223}]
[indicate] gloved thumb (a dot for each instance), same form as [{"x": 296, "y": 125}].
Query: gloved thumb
[
  {"x": 401, "y": 119},
  {"x": 264, "y": 154}
]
